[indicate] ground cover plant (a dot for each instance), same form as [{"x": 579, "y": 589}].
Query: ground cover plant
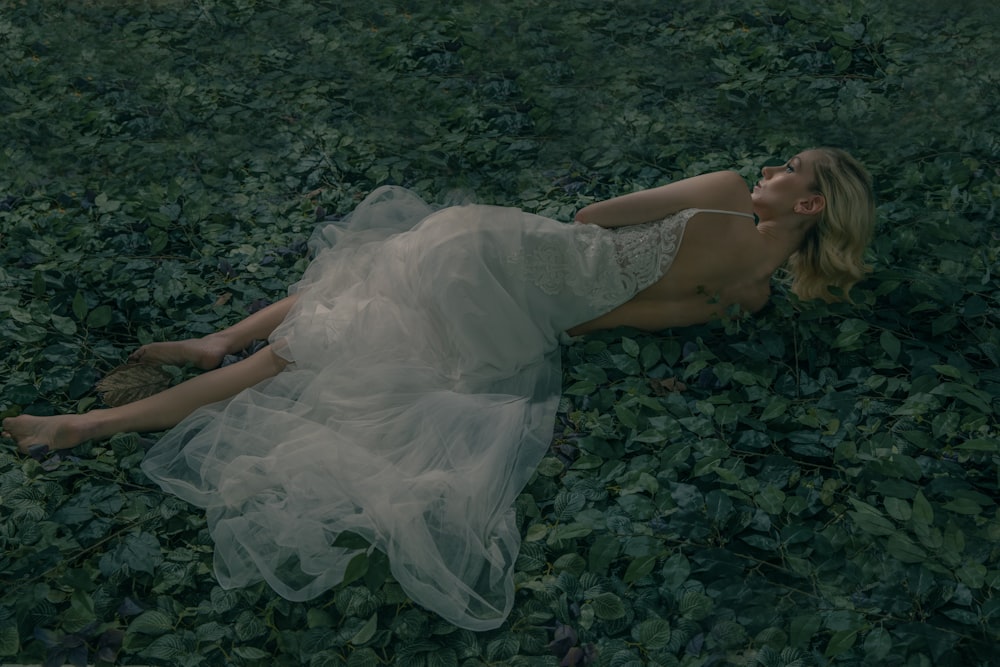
[{"x": 824, "y": 491}]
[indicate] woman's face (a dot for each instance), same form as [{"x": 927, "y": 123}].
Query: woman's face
[{"x": 788, "y": 189}]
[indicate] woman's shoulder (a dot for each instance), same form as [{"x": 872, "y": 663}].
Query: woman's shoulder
[{"x": 729, "y": 192}]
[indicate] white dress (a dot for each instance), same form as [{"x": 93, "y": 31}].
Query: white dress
[{"x": 422, "y": 395}]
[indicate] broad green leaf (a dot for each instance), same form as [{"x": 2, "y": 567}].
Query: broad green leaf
[
  {"x": 803, "y": 627},
  {"x": 80, "y": 309},
  {"x": 650, "y": 355},
  {"x": 366, "y": 632},
  {"x": 356, "y": 568},
  {"x": 152, "y": 622},
  {"x": 363, "y": 657},
  {"x": 581, "y": 388},
  {"x": 890, "y": 344},
  {"x": 502, "y": 648},
  {"x": 874, "y": 525},
  {"x": 569, "y": 531},
  {"x": 250, "y": 652},
  {"x": 981, "y": 445},
  {"x": 9, "y": 640},
  {"x": 878, "y": 643},
  {"x": 972, "y": 575},
  {"x": 630, "y": 347},
  {"x": 904, "y": 550},
  {"x": 445, "y": 657},
  {"x": 99, "y": 317},
  {"x": 639, "y": 568},
  {"x": 963, "y": 506},
  {"x": 603, "y": 552},
  {"x": 922, "y": 511},
  {"x": 573, "y": 563},
  {"x": 550, "y": 467},
  {"x": 654, "y": 634},
  {"x": 567, "y": 504},
  {"x": 608, "y": 606},
  {"x": 695, "y": 605},
  {"x": 840, "y": 642},
  {"x": 168, "y": 648},
  {"x": 536, "y": 531},
  {"x": 675, "y": 571},
  {"x": 898, "y": 509}
]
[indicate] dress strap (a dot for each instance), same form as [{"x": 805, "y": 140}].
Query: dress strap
[{"x": 716, "y": 210}]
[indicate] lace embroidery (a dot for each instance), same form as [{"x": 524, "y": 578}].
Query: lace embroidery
[
  {"x": 645, "y": 252},
  {"x": 627, "y": 259},
  {"x": 554, "y": 264}
]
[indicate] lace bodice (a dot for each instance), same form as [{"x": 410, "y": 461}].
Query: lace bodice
[{"x": 645, "y": 252}]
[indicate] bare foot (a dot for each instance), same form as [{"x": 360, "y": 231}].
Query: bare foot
[
  {"x": 57, "y": 432},
  {"x": 204, "y": 353}
]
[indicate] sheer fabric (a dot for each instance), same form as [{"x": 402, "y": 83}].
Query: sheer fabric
[{"x": 424, "y": 382}]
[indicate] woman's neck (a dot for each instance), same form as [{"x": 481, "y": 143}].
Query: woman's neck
[{"x": 782, "y": 239}]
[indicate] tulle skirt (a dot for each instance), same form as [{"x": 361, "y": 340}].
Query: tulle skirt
[{"x": 421, "y": 395}]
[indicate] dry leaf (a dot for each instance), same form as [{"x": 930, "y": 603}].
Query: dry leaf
[
  {"x": 668, "y": 386},
  {"x": 131, "y": 382}
]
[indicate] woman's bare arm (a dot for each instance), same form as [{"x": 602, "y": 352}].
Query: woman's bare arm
[{"x": 719, "y": 190}]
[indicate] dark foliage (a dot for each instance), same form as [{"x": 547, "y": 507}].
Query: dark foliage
[{"x": 825, "y": 489}]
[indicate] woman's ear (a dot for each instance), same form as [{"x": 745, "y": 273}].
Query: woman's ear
[{"x": 811, "y": 205}]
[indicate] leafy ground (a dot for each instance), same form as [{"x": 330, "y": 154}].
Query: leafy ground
[{"x": 824, "y": 492}]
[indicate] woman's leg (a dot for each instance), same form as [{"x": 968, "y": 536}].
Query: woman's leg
[
  {"x": 208, "y": 351},
  {"x": 156, "y": 413}
]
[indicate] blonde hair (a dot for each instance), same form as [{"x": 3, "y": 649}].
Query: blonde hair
[{"x": 832, "y": 254}]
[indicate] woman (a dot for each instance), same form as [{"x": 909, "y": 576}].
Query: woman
[{"x": 413, "y": 375}]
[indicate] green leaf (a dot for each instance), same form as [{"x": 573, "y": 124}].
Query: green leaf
[
  {"x": 550, "y": 467},
  {"x": 445, "y": 657},
  {"x": 840, "y": 642},
  {"x": 890, "y": 344},
  {"x": 608, "y": 606},
  {"x": 980, "y": 445},
  {"x": 904, "y": 550},
  {"x": 650, "y": 355},
  {"x": 567, "y": 504},
  {"x": 654, "y": 634},
  {"x": 152, "y": 622},
  {"x": 963, "y": 506},
  {"x": 250, "y": 652},
  {"x": 898, "y": 509},
  {"x": 869, "y": 519},
  {"x": 99, "y": 317},
  {"x": 878, "y": 643},
  {"x": 356, "y": 568},
  {"x": 569, "y": 531},
  {"x": 503, "y": 648},
  {"x": 536, "y": 531},
  {"x": 10, "y": 642},
  {"x": 695, "y": 605},
  {"x": 639, "y": 568},
  {"x": 803, "y": 627},
  {"x": 581, "y": 388},
  {"x": 630, "y": 347},
  {"x": 80, "y": 309},
  {"x": 366, "y": 632},
  {"x": 168, "y": 647},
  {"x": 851, "y": 331},
  {"x": 603, "y": 552},
  {"x": 972, "y": 575},
  {"x": 363, "y": 657},
  {"x": 923, "y": 513}
]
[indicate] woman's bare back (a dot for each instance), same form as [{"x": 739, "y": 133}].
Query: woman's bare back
[{"x": 720, "y": 263}]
